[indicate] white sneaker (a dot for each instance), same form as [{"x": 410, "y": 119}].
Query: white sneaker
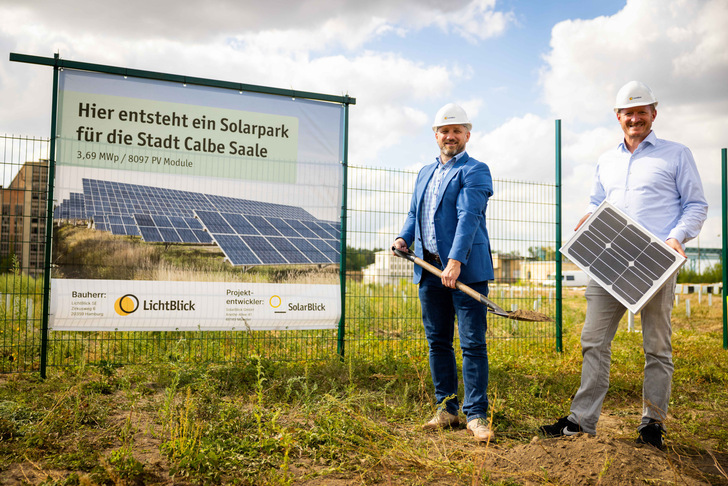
[
  {"x": 480, "y": 430},
  {"x": 442, "y": 419}
]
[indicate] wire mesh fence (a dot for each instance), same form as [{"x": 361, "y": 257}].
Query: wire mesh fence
[
  {"x": 382, "y": 312},
  {"x": 24, "y": 181}
]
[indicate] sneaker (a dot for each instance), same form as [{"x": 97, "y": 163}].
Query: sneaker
[
  {"x": 652, "y": 434},
  {"x": 563, "y": 427},
  {"x": 442, "y": 419},
  {"x": 479, "y": 429}
]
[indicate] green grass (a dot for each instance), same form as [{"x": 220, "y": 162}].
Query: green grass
[
  {"x": 181, "y": 415},
  {"x": 269, "y": 422}
]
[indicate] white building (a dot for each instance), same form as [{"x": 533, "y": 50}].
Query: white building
[{"x": 387, "y": 269}]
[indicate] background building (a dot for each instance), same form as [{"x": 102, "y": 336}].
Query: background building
[{"x": 23, "y": 223}]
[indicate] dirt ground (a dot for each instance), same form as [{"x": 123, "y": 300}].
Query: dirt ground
[{"x": 610, "y": 458}]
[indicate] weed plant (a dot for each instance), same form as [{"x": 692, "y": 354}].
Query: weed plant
[{"x": 177, "y": 420}]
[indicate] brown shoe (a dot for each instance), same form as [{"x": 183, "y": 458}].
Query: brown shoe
[
  {"x": 442, "y": 419},
  {"x": 480, "y": 430}
]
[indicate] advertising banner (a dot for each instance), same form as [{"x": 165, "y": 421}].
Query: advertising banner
[{"x": 185, "y": 207}]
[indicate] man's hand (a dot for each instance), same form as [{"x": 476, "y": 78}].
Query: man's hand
[
  {"x": 581, "y": 221},
  {"x": 675, "y": 245},
  {"x": 400, "y": 245},
  {"x": 451, "y": 273}
]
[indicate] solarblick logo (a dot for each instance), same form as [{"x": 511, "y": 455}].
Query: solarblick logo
[{"x": 126, "y": 304}]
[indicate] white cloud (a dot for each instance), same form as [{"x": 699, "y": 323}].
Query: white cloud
[
  {"x": 263, "y": 45},
  {"x": 347, "y": 23},
  {"x": 678, "y": 48},
  {"x": 521, "y": 149}
]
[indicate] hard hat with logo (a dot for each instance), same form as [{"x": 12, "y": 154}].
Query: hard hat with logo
[
  {"x": 451, "y": 114},
  {"x": 632, "y": 94}
]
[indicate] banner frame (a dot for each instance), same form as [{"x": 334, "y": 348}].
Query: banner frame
[{"x": 58, "y": 64}]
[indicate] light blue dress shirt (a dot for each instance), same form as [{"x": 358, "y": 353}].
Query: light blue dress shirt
[
  {"x": 658, "y": 186},
  {"x": 429, "y": 204}
]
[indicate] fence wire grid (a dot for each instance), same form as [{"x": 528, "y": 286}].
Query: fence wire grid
[{"x": 382, "y": 312}]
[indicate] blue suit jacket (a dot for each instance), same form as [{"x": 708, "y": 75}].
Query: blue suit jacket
[{"x": 459, "y": 218}]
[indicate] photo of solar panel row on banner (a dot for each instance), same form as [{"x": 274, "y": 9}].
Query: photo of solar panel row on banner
[{"x": 248, "y": 232}]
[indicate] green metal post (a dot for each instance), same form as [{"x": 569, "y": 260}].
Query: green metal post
[
  {"x": 342, "y": 261},
  {"x": 49, "y": 227},
  {"x": 724, "y": 212},
  {"x": 559, "y": 295}
]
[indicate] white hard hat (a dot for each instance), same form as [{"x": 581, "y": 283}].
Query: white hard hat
[
  {"x": 451, "y": 114},
  {"x": 634, "y": 93}
]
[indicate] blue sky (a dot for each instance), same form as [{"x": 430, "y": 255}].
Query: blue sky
[{"x": 515, "y": 65}]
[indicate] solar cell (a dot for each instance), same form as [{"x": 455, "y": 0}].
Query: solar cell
[
  {"x": 289, "y": 251},
  {"x": 282, "y": 227},
  {"x": 178, "y": 222},
  {"x": 236, "y": 250},
  {"x": 214, "y": 223},
  {"x": 263, "y": 249},
  {"x": 169, "y": 235},
  {"x": 263, "y": 226},
  {"x": 331, "y": 255},
  {"x": 144, "y": 220},
  {"x": 150, "y": 234},
  {"x": 193, "y": 223},
  {"x": 317, "y": 230},
  {"x": 308, "y": 249},
  {"x": 161, "y": 221},
  {"x": 187, "y": 235},
  {"x": 624, "y": 258},
  {"x": 203, "y": 236},
  {"x": 241, "y": 225},
  {"x": 301, "y": 228},
  {"x": 334, "y": 229}
]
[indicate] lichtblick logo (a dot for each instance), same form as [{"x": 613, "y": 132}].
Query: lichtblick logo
[{"x": 126, "y": 305}]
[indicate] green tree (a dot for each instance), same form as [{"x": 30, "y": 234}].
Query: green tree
[
  {"x": 358, "y": 258},
  {"x": 713, "y": 274},
  {"x": 541, "y": 253}
]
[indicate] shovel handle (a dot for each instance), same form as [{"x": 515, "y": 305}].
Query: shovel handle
[{"x": 492, "y": 306}]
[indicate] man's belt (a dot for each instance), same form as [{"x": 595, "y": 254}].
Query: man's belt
[{"x": 431, "y": 257}]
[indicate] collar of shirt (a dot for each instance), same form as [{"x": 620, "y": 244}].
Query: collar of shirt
[
  {"x": 450, "y": 162},
  {"x": 650, "y": 139}
]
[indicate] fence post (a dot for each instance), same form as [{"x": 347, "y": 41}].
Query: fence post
[
  {"x": 49, "y": 225},
  {"x": 724, "y": 212},
  {"x": 557, "y": 254},
  {"x": 342, "y": 262}
]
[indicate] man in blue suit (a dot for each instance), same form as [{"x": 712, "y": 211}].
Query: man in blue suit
[{"x": 446, "y": 222}]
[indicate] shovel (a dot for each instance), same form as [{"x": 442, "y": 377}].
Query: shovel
[{"x": 518, "y": 315}]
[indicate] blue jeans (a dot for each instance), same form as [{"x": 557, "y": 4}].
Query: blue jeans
[{"x": 440, "y": 305}]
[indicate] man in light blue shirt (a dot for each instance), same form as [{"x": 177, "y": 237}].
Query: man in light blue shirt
[{"x": 656, "y": 182}]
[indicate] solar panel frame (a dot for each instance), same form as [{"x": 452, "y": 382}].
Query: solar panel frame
[{"x": 623, "y": 257}]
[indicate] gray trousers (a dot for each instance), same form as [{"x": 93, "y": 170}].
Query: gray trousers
[{"x": 603, "y": 314}]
